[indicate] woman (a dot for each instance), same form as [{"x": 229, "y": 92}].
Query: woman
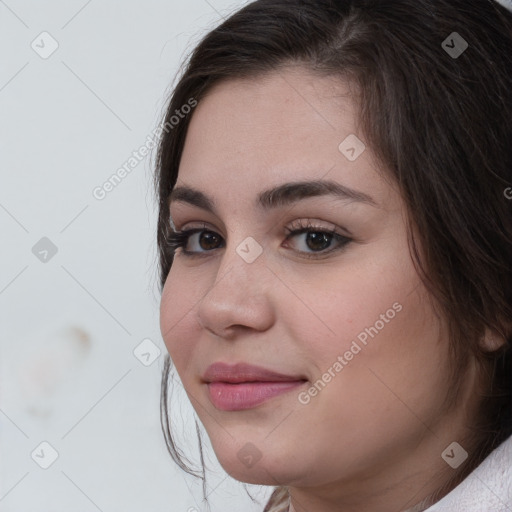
[{"x": 335, "y": 241}]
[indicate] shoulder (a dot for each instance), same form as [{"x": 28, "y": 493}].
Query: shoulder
[{"x": 488, "y": 487}]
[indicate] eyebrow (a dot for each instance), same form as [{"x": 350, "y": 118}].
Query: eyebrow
[{"x": 282, "y": 195}]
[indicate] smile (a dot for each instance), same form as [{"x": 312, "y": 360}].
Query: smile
[{"x": 246, "y": 395}]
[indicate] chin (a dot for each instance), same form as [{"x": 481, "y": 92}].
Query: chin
[{"x": 277, "y": 470}]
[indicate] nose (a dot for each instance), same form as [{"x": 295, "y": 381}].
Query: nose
[{"x": 240, "y": 298}]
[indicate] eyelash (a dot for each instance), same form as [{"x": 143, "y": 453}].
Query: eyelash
[{"x": 179, "y": 239}]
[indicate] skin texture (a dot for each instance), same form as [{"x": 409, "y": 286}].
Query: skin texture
[{"x": 372, "y": 438}]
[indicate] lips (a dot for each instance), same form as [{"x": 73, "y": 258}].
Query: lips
[
  {"x": 242, "y": 372},
  {"x": 243, "y": 386}
]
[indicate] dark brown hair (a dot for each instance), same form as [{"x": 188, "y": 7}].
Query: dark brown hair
[{"x": 442, "y": 126}]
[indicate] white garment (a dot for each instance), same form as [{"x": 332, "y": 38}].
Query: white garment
[{"x": 487, "y": 489}]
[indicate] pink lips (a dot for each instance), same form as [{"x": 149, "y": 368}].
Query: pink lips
[{"x": 244, "y": 386}]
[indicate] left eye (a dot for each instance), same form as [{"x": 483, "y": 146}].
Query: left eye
[{"x": 315, "y": 241}]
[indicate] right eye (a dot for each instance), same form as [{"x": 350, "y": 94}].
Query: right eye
[{"x": 201, "y": 238}]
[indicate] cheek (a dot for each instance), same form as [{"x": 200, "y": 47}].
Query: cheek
[
  {"x": 179, "y": 330},
  {"x": 388, "y": 352}
]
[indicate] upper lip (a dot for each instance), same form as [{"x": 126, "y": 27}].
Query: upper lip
[{"x": 242, "y": 372}]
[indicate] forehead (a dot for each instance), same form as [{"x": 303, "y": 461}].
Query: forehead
[{"x": 247, "y": 135}]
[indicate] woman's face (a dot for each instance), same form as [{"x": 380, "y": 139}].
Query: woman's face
[{"x": 350, "y": 318}]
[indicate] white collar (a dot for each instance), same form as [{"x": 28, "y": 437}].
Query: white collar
[{"x": 487, "y": 489}]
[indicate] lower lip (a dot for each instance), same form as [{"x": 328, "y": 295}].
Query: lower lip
[{"x": 246, "y": 395}]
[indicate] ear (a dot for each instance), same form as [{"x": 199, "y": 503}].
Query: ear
[{"x": 492, "y": 341}]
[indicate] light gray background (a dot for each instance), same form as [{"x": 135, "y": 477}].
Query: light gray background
[
  {"x": 67, "y": 123},
  {"x": 69, "y": 326}
]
